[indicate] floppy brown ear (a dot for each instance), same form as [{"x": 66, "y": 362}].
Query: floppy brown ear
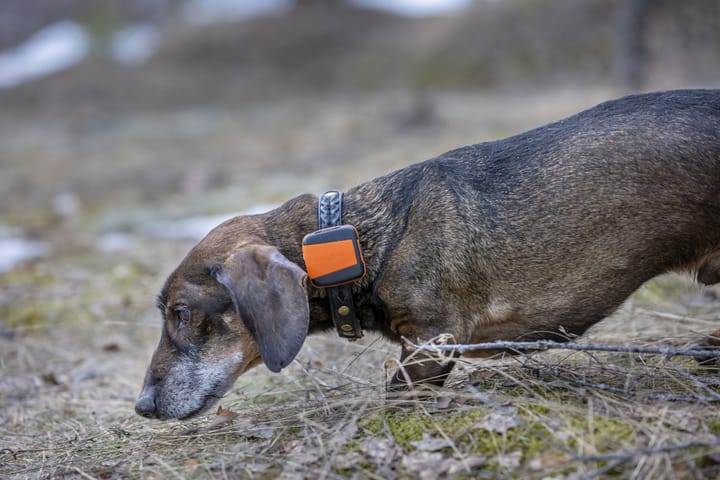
[{"x": 269, "y": 294}]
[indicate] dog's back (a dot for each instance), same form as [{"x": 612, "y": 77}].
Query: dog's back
[{"x": 560, "y": 224}]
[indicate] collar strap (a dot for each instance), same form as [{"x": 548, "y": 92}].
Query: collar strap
[
  {"x": 330, "y": 209},
  {"x": 334, "y": 261}
]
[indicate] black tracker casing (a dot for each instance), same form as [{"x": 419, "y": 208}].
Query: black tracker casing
[{"x": 332, "y": 235}]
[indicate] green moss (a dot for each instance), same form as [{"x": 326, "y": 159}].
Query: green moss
[
  {"x": 27, "y": 277},
  {"x": 29, "y": 316},
  {"x": 604, "y": 433},
  {"x": 408, "y": 426},
  {"x": 714, "y": 426},
  {"x": 540, "y": 432}
]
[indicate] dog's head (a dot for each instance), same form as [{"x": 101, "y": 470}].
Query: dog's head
[{"x": 233, "y": 303}]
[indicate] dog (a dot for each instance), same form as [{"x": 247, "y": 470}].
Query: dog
[{"x": 537, "y": 236}]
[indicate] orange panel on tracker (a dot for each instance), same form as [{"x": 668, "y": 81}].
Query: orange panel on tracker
[{"x": 325, "y": 258}]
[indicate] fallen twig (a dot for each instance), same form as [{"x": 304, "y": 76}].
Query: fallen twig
[
  {"x": 667, "y": 397},
  {"x": 625, "y": 455},
  {"x": 541, "y": 345},
  {"x": 616, "y": 459}
]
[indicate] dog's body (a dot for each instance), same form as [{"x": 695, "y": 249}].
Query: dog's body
[{"x": 536, "y": 236}]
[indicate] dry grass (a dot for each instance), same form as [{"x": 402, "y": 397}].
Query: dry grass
[
  {"x": 68, "y": 389},
  {"x": 77, "y": 330}
]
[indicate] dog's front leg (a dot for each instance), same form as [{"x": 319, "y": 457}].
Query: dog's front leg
[
  {"x": 421, "y": 369},
  {"x": 710, "y": 342}
]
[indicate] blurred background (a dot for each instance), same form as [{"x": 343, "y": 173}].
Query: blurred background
[
  {"x": 129, "y": 128},
  {"x": 120, "y": 116}
]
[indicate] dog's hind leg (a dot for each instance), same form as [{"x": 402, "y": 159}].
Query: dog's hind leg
[{"x": 709, "y": 271}]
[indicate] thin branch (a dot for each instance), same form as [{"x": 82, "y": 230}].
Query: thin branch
[
  {"x": 630, "y": 454},
  {"x": 667, "y": 397},
  {"x": 542, "y": 345}
]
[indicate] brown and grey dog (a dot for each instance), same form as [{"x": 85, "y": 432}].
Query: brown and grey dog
[{"x": 535, "y": 236}]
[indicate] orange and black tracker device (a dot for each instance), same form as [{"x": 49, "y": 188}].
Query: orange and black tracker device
[{"x": 333, "y": 256}]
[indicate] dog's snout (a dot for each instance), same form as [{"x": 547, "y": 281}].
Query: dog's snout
[{"x": 145, "y": 405}]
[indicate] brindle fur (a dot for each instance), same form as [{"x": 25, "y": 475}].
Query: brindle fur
[{"x": 536, "y": 236}]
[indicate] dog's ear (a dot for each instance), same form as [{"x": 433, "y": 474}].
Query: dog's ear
[{"x": 269, "y": 294}]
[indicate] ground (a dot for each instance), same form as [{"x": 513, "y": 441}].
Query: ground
[{"x": 78, "y": 327}]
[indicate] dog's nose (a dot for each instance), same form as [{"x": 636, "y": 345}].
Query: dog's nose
[{"x": 145, "y": 405}]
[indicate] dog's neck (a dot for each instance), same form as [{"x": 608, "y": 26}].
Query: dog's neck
[{"x": 286, "y": 226}]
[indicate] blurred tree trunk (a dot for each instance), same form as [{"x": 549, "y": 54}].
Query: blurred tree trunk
[{"x": 633, "y": 51}]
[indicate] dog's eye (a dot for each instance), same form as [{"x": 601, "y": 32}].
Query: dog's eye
[{"x": 183, "y": 316}]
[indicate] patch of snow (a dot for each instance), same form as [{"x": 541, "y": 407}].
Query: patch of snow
[
  {"x": 135, "y": 44},
  {"x": 54, "y": 48},
  {"x": 205, "y": 11},
  {"x": 195, "y": 228},
  {"x": 416, "y": 8},
  {"x": 116, "y": 242},
  {"x": 16, "y": 250}
]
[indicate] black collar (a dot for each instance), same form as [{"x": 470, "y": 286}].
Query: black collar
[{"x": 342, "y": 307}]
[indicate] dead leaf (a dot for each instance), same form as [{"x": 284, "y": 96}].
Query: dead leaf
[
  {"x": 510, "y": 461},
  {"x": 546, "y": 461},
  {"x": 224, "y": 416},
  {"x": 343, "y": 435},
  {"x": 443, "y": 402},
  {"x": 304, "y": 454},
  {"x": 482, "y": 374},
  {"x": 294, "y": 446},
  {"x": 431, "y": 444},
  {"x": 425, "y": 464},
  {"x": 226, "y": 412},
  {"x": 347, "y": 460},
  {"x": 380, "y": 451},
  {"x": 432, "y": 465},
  {"x": 500, "y": 421},
  {"x": 453, "y": 466}
]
